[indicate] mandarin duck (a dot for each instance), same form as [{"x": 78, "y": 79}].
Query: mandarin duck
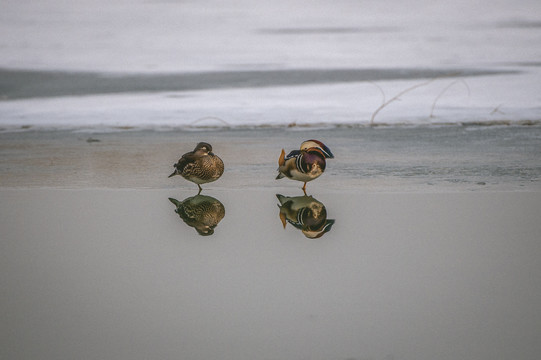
[
  {"x": 201, "y": 212},
  {"x": 305, "y": 164},
  {"x": 199, "y": 166},
  {"x": 306, "y": 214}
]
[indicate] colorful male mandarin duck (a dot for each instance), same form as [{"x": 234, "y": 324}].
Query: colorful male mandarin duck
[
  {"x": 199, "y": 166},
  {"x": 305, "y": 164}
]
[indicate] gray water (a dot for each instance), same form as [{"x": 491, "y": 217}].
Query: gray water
[
  {"x": 420, "y": 243},
  {"x": 117, "y": 274}
]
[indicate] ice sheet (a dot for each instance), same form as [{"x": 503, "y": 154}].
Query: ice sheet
[{"x": 166, "y": 37}]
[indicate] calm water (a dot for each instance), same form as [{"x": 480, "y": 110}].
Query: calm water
[
  {"x": 417, "y": 243},
  {"x": 117, "y": 274}
]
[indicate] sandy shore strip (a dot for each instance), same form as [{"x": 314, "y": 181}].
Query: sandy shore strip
[{"x": 388, "y": 159}]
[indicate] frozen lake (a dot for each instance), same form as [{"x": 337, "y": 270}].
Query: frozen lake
[{"x": 154, "y": 64}]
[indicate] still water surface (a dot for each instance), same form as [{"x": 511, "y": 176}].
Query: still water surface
[{"x": 118, "y": 274}]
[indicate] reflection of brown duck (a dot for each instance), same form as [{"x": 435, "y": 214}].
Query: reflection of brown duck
[
  {"x": 200, "y": 212},
  {"x": 306, "y": 214}
]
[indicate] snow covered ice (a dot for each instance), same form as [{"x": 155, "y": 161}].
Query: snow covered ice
[{"x": 149, "y": 40}]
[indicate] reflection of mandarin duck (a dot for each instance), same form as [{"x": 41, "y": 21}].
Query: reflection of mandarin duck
[
  {"x": 200, "y": 165},
  {"x": 200, "y": 212},
  {"x": 306, "y": 214},
  {"x": 305, "y": 164}
]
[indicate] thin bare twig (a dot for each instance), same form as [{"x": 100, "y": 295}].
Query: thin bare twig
[
  {"x": 380, "y": 90},
  {"x": 497, "y": 110},
  {"x": 396, "y": 97},
  {"x": 209, "y": 118},
  {"x": 443, "y": 92}
]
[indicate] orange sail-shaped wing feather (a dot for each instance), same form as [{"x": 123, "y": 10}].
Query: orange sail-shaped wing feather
[{"x": 281, "y": 160}]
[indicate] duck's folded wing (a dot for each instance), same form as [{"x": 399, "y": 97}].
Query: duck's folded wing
[
  {"x": 293, "y": 154},
  {"x": 186, "y": 159}
]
